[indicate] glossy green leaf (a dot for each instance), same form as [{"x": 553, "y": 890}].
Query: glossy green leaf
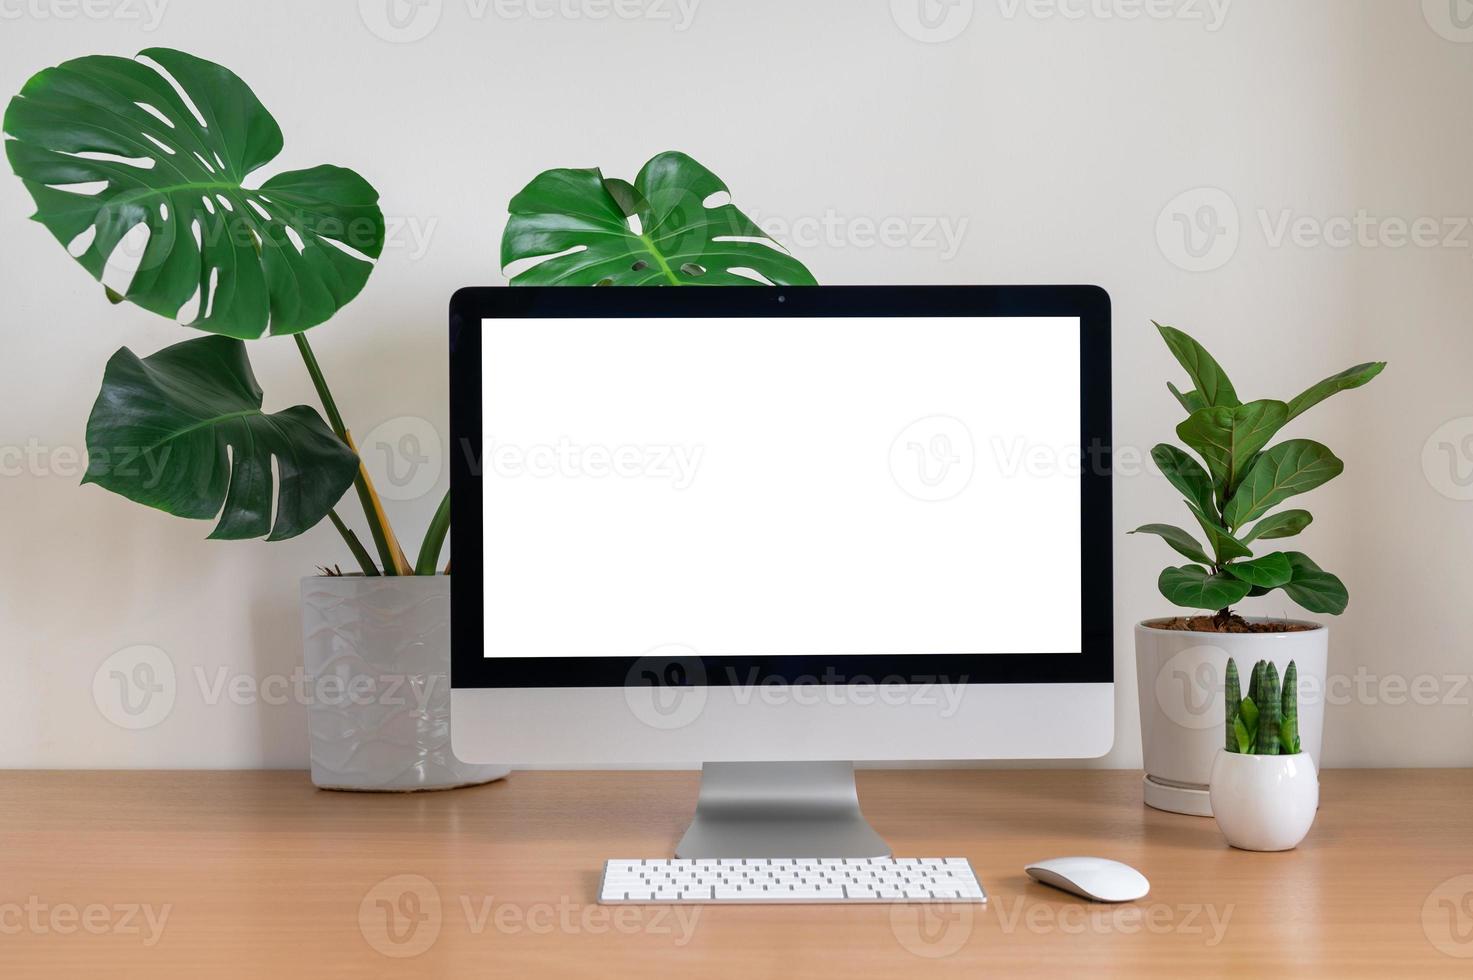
[
  {"x": 1184, "y": 544},
  {"x": 284, "y": 256},
  {"x": 1344, "y": 381},
  {"x": 1289, "y": 743},
  {"x": 1190, "y": 400},
  {"x": 675, "y": 240},
  {"x": 429, "y": 550},
  {"x": 1229, "y": 439},
  {"x": 1314, "y": 588},
  {"x": 1224, "y": 546},
  {"x": 1195, "y": 588},
  {"x": 1186, "y": 474},
  {"x": 1267, "y": 572},
  {"x": 182, "y": 430},
  {"x": 1288, "y": 469},
  {"x": 1241, "y": 733},
  {"x": 1248, "y": 716},
  {"x": 1284, "y": 524},
  {"x": 1213, "y": 387}
]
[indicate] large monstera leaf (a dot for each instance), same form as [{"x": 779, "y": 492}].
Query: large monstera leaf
[
  {"x": 658, "y": 231},
  {"x": 260, "y": 257},
  {"x": 183, "y": 431}
]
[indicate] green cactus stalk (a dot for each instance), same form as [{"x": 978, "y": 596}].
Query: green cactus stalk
[
  {"x": 1232, "y": 703},
  {"x": 1289, "y": 725},
  {"x": 1268, "y": 713}
]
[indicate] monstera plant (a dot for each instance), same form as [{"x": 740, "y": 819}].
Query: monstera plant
[
  {"x": 153, "y": 155},
  {"x": 674, "y": 226}
]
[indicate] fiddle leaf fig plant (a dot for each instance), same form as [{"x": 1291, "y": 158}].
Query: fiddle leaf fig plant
[
  {"x": 1233, "y": 484},
  {"x": 673, "y": 226}
]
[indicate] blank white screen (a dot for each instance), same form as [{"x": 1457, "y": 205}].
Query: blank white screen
[{"x": 772, "y": 486}]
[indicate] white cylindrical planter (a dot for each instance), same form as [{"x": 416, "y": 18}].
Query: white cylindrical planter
[
  {"x": 377, "y": 658},
  {"x": 1180, "y": 678},
  {"x": 1264, "y": 802}
]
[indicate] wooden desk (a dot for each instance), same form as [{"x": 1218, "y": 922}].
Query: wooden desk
[{"x": 259, "y": 874}]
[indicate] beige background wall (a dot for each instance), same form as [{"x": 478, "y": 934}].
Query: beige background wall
[{"x": 1010, "y": 141}]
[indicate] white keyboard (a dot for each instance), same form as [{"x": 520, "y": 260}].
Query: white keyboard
[{"x": 707, "y": 881}]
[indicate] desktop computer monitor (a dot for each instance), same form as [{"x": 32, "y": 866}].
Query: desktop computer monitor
[{"x": 775, "y": 531}]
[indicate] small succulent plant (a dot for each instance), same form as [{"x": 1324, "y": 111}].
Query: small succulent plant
[{"x": 1266, "y": 722}]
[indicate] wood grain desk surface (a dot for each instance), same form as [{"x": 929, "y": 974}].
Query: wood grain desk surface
[{"x": 206, "y": 874}]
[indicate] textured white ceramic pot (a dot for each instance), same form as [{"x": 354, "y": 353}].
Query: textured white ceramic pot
[
  {"x": 1180, "y": 677},
  {"x": 377, "y": 658},
  {"x": 1264, "y": 802}
]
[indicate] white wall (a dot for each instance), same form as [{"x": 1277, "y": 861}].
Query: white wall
[{"x": 1052, "y": 142}]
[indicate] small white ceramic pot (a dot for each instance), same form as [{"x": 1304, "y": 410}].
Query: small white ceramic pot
[
  {"x": 377, "y": 658},
  {"x": 1264, "y": 802},
  {"x": 1180, "y": 678}
]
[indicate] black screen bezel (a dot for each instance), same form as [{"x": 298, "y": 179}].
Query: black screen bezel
[{"x": 1090, "y": 304}]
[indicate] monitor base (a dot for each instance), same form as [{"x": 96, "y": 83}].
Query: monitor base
[{"x": 779, "y": 810}]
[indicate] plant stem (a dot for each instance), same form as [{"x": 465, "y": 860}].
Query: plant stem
[
  {"x": 429, "y": 551},
  {"x": 395, "y": 561},
  {"x": 390, "y": 555},
  {"x": 320, "y": 383},
  {"x": 360, "y": 553}
]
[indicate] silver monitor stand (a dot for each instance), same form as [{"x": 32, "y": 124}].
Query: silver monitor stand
[{"x": 779, "y": 810}]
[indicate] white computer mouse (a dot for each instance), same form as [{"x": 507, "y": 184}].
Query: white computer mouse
[{"x": 1097, "y": 879}]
